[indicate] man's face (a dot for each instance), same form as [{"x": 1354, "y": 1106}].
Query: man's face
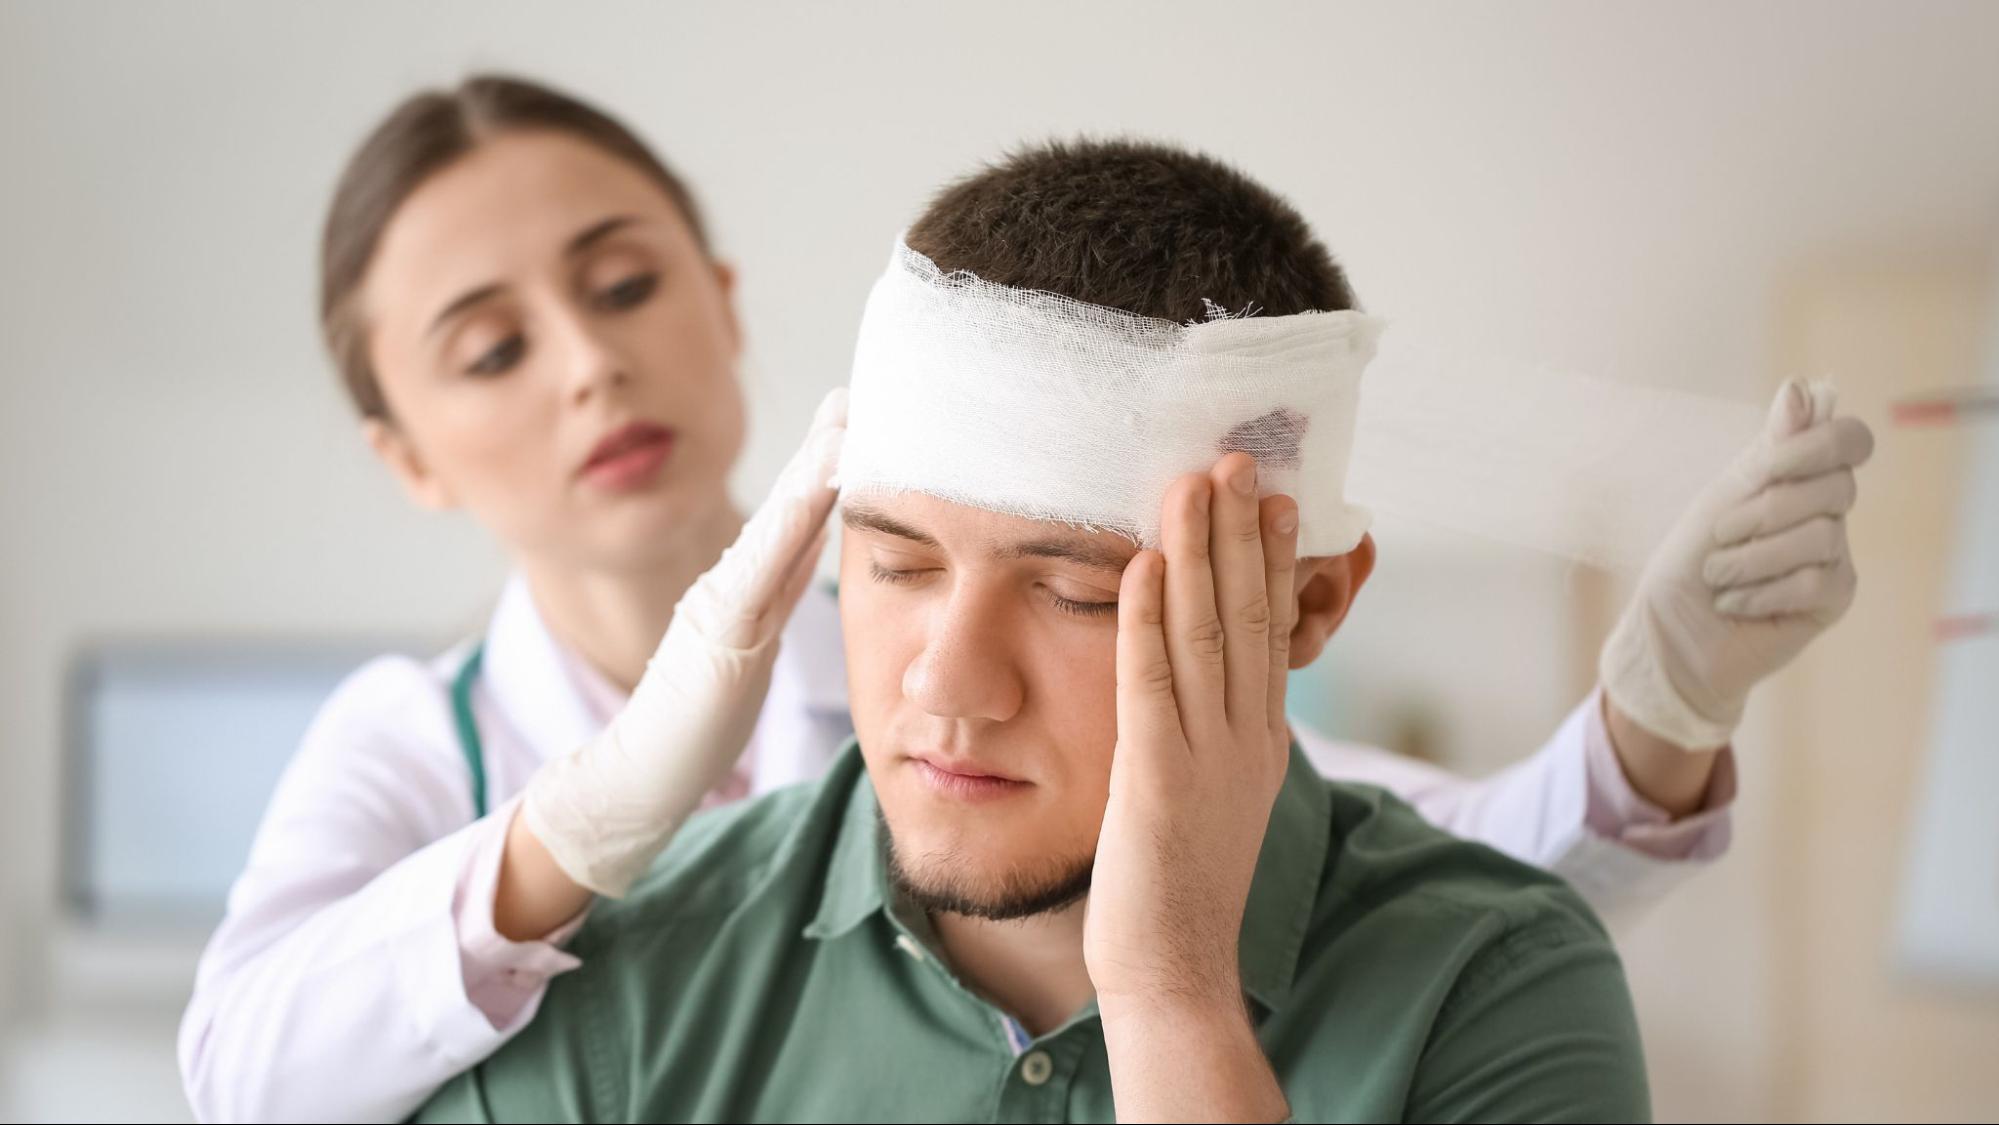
[{"x": 981, "y": 670}]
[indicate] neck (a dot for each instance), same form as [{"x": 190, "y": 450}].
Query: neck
[
  {"x": 614, "y": 616},
  {"x": 1032, "y": 967}
]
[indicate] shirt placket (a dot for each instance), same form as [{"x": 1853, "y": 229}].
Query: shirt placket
[{"x": 1036, "y": 1084}]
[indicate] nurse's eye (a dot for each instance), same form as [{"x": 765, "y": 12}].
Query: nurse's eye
[
  {"x": 501, "y": 357},
  {"x": 629, "y": 293}
]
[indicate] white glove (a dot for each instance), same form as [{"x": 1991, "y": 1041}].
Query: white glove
[
  {"x": 1754, "y": 569},
  {"x": 605, "y": 811}
]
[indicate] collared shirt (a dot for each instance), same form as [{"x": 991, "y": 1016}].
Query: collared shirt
[
  {"x": 367, "y": 900},
  {"x": 764, "y": 970}
]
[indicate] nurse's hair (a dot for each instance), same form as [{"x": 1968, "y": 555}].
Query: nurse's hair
[{"x": 419, "y": 138}]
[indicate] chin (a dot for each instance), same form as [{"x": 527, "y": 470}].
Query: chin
[{"x": 970, "y": 876}]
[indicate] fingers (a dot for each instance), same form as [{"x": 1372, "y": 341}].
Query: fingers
[
  {"x": 1842, "y": 443},
  {"x": 784, "y": 528},
  {"x": 1786, "y": 505},
  {"x": 1194, "y": 636},
  {"x": 803, "y": 568},
  {"x": 1235, "y": 547},
  {"x": 1147, "y": 715},
  {"x": 1280, "y": 570},
  {"x": 1816, "y": 542},
  {"x": 1820, "y": 590}
]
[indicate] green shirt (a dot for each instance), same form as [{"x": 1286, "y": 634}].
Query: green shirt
[{"x": 762, "y": 972}]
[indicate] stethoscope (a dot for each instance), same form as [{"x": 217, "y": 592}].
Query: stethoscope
[{"x": 468, "y": 727}]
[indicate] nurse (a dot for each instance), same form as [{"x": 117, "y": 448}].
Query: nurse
[{"x": 527, "y": 313}]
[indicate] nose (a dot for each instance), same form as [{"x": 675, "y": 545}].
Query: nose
[
  {"x": 592, "y": 363},
  {"x": 967, "y": 668}
]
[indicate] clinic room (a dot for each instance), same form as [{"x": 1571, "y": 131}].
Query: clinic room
[{"x": 999, "y": 562}]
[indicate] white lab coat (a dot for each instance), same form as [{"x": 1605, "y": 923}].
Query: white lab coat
[{"x": 336, "y": 987}]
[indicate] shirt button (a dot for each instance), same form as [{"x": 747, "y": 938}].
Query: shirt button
[{"x": 1036, "y": 1068}]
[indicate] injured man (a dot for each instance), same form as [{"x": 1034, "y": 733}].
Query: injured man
[{"x": 1074, "y": 865}]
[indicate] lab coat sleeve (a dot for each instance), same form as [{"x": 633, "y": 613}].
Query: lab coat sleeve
[
  {"x": 1568, "y": 808},
  {"x": 336, "y": 987}
]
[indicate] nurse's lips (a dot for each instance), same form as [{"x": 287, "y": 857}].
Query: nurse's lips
[
  {"x": 964, "y": 780},
  {"x": 629, "y": 457}
]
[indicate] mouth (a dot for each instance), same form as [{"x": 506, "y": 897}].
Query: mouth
[
  {"x": 629, "y": 457},
  {"x": 965, "y": 781}
]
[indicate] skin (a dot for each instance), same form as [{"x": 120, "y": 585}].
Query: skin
[
  {"x": 1135, "y": 700},
  {"x": 1128, "y": 707},
  {"x": 507, "y": 350}
]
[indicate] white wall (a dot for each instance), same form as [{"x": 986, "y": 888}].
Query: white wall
[{"x": 1612, "y": 188}]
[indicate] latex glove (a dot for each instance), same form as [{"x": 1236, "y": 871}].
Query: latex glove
[
  {"x": 1755, "y": 568},
  {"x": 605, "y": 811}
]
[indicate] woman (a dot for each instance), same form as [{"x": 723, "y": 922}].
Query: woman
[{"x": 525, "y": 309}]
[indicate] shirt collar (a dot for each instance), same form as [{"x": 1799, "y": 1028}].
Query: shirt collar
[
  {"x": 530, "y": 680},
  {"x": 857, "y": 872},
  {"x": 1282, "y": 893}
]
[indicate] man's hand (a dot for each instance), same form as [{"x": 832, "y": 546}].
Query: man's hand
[
  {"x": 1203, "y": 649},
  {"x": 1754, "y": 570}
]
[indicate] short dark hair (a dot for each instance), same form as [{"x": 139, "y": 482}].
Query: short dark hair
[{"x": 1145, "y": 227}]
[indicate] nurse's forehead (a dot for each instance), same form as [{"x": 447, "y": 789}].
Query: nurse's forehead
[{"x": 928, "y": 521}]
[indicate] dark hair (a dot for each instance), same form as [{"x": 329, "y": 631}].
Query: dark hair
[
  {"x": 1134, "y": 225},
  {"x": 419, "y": 138}
]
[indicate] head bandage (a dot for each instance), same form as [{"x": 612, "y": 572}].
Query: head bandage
[
  {"x": 1035, "y": 405},
  {"x": 1032, "y": 404}
]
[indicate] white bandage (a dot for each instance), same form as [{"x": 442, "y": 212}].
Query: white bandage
[{"x": 1035, "y": 405}]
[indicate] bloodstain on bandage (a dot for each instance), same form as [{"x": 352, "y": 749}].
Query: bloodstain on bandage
[{"x": 1273, "y": 438}]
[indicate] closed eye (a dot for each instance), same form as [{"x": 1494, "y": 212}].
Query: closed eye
[{"x": 629, "y": 293}]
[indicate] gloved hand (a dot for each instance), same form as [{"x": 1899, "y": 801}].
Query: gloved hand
[
  {"x": 1753, "y": 570},
  {"x": 605, "y": 811}
]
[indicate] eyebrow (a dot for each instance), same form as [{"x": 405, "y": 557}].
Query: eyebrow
[
  {"x": 1096, "y": 556},
  {"x": 591, "y": 235},
  {"x": 868, "y": 519}
]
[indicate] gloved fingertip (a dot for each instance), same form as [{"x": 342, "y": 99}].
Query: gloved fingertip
[
  {"x": 1790, "y": 411},
  {"x": 1731, "y": 603},
  {"x": 832, "y": 409}
]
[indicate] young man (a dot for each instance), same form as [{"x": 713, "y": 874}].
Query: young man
[{"x": 1076, "y": 868}]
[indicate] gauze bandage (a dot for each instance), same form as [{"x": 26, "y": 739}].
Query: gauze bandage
[
  {"x": 1032, "y": 404},
  {"x": 1035, "y": 405}
]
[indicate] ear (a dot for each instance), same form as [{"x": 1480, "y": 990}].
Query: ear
[
  {"x": 394, "y": 449},
  {"x": 1326, "y": 588},
  {"x": 725, "y": 280}
]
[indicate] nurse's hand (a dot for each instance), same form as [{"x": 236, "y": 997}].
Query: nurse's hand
[
  {"x": 604, "y": 812},
  {"x": 1755, "y": 569},
  {"x": 1203, "y": 649}
]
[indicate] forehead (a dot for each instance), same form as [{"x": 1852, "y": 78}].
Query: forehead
[
  {"x": 961, "y": 529},
  {"x": 512, "y": 203}
]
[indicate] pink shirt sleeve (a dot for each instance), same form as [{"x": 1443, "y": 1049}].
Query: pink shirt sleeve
[
  {"x": 1615, "y": 811},
  {"x": 504, "y": 979}
]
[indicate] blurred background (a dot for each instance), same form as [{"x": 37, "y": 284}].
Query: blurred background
[{"x": 1708, "y": 197}]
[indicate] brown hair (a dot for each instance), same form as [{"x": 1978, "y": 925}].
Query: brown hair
[
  {"x": 419, "y": 138},
  {"x": 1134, "y": 225}
]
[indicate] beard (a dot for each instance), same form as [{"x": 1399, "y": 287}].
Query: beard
[{"x": 945, "y": 882}]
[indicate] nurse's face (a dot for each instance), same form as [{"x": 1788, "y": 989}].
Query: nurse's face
[
  {"x": 557, "y": 352},
  {"x": 980, "y": 668}
]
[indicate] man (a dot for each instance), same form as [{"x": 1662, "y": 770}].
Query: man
[{"x": 1075, "y": 867}]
